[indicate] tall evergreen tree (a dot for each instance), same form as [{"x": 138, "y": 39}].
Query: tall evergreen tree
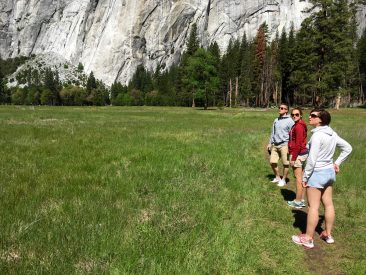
[
  {"x": 328, "y": 37},
  {"x": 2, "y": 85},
  {"x": 201, "y": 76},
  {"x": 287, "y": 46},
  {"x": 303, "y": 76},
  {"x": 229, "y": 70},
  {"x": 53, "y": 86},
  {"x": 284, "y": 64},
  {"x": 225, "y": 74},
  {"x": 361, "y": 53},
  {"x": 214, "y": 50},
  {"x": 274, "y": 70},
  {"x": 246, "y": 72},
  {"x": 116, "y": 89},
  {"x": 91, "y": 82},
  {"x": 261, "y": 41},
  {"x": 141, "y": 80},
  {"x": 192, "y": 47},
  {"x": 288, "y": 95},
  {"x": 193, "y": 43}
]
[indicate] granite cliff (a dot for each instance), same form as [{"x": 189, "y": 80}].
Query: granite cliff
[{"x": 112, "y": 37}]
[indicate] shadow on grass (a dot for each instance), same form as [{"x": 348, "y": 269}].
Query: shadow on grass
[
  {"x": 270, "y": 177},
  {"x": 288, "y": 195},
  {"x": 300, "y": 221},
  {"x": 208, "y": 109}
]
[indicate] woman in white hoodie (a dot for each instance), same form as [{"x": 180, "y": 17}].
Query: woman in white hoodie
[{"x": 319, "y": 175}]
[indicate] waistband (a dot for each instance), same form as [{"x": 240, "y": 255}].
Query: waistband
[{"x": 279, "y": 143}]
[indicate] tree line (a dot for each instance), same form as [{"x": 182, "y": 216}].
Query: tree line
[
  {"x": 42, "y": 86},
  {"x": 315, "y": 65}
]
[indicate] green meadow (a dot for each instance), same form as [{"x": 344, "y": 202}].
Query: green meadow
[{"x": 153, "y": 190}]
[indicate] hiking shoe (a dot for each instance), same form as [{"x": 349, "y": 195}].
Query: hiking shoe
[
  {"x": 325, "y": 237},
  {"x": 296, "y": 204},
  {"x": 275, "y": 180},
  {"x": 281, "y": 183},
  {"x": 301, "y": 240}
]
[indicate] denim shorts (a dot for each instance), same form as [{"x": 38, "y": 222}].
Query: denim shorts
[{"x": 322, "y": 178}]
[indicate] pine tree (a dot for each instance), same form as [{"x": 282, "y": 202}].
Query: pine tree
[
  {"x": 261, "y": 40},
  {"x": 327, "y": 36},
  {"x": 361, "y": 55},
  {"x": 141, "y": 80},
  {"x": 91, "y": 83},
  {"x": 2, "y": 86},
  {"x": 246, "y": 74},
  {"x": 214, "y": 50},
  {"x": 80, "y": 67},
  {"x": 225, "y": 74},
  {"x": 287, "y": 45},
  {"x": 53, "y": 86},
  {"x": 116, "y": 89},
  {"x": 303, "y": 75},
  {"x": 193, "y": 44},
  {"x": 201, "y": 76},
  {"x": 274, "y": 70},
  {"x": 192, "y": 47}
]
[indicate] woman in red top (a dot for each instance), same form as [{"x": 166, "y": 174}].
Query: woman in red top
[{"x": 298, "y": 154}]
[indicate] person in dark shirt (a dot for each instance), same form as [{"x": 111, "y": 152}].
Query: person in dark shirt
[{"x": 298, "y": 154}]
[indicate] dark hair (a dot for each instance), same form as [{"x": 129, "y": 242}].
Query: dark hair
[
  {"x": 285, "y": 104},
  {"x": 299, "y": 109},
  {"x": 323, "y": 115}
]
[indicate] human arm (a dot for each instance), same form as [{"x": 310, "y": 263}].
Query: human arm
[
  {"x": 312, "y": 157},
  {"x": 346, "y": 149},
  {"x": 271, "y": 136},
  {"x": 336, "y": 168},
  {"x": 299, "y": 135}
]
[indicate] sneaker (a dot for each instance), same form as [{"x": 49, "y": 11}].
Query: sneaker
[
  {"x": 275, "y": 180},
  {"x": 303, "y": 203},
  {"x": 327, "y": 238},
  {"x": 281, "y": 183},
  {"x": 301, "y": 240},
  {"x": 296, "y": 204}
]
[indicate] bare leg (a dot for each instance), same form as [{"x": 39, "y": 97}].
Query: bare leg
[
  {"x": 285, "y": 172},
  {"x": 314, "y": 196},
  {"x": 275, "y": 170},
  {"x": 329, "y": 209},
  {"x": 299, "y": 188},
  {"x": 303, "y": 190}
]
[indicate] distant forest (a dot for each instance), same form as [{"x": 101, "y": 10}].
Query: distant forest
[{"x": 313, "y": 66}]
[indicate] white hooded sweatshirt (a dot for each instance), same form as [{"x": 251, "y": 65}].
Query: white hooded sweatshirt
[{"x": 321, "y": 147}]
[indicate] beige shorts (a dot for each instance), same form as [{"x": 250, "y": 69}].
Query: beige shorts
[
  {"x": 300, "y": 161},
  {"x": 278, "y": 152}
]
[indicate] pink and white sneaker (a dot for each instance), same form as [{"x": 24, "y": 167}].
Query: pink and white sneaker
[
  {"x": 301, "y": 240},
  {"x": 327, "y": 238}
]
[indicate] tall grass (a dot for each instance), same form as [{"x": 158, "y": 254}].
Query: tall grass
[{"x": 162, "y": 190}]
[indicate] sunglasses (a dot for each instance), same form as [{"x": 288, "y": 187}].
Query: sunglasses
[
  {"x": 282, "y": 108},
  {"x": 297, "y": 115},
  {"x": 313, "y": 116}
]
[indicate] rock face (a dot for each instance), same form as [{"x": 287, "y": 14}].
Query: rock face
[{"x": 112, "y": 37}]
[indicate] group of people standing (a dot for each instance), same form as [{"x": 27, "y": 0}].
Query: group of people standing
[{"x": 312, "y": 164}]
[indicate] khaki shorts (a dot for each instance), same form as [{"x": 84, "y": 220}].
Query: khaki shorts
[
  {"x": 278, "y": 152},
  {"x": 300, "y": 161}
]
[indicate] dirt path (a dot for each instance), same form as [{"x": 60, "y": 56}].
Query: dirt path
[{"x": 323, "y": 258}]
